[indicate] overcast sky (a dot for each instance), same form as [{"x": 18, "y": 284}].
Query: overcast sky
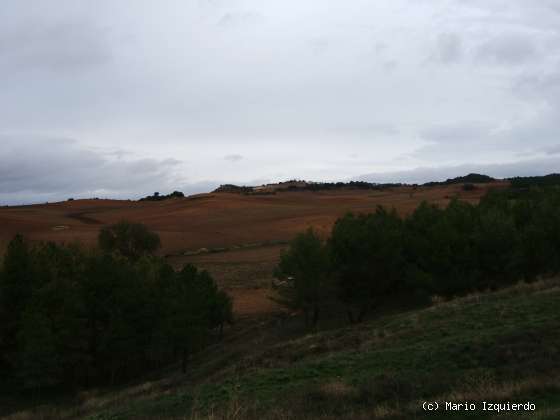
[{"x": 122, "y": 98}]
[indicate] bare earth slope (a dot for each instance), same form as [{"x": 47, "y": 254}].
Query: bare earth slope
[
  {"x": 249, "y": 231},
  {"x": 215, "y": 220}
]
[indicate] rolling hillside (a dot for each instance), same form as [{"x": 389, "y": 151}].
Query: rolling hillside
[
  {"x": 219, "y": 219},
  {"x": 493, "y": 347},
  {"x": 237, "y": 238}
]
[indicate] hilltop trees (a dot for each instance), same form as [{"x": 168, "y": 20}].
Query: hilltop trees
[
  {"x": 72, "y": 316},
  {"x": 159, "y": 197},
  {"x": 304, "y": 270},
  {"x": 533, "y": 181},
  {"x": 467, "y": 179}
]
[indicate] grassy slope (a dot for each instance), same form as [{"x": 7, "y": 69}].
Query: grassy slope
[{"x": 502, "y": 346}]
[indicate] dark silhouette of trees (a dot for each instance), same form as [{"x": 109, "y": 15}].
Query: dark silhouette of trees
[
  {"x": 303, "y": 269},
  {"x": 367, "y": 259},
  {"x": 467, "y": 179},
  {"x": 535, "y": 181},
  {"x": 77, "y": 317},
  {"x": 510, "y": 235},
  {"x": 159, "y": 197}
]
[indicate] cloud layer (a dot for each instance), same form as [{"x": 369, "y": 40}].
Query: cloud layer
[
  {"x": 63, "y": 169},
  {"x": 243, "y": 90},
  {"x": 531, "y": 167}
]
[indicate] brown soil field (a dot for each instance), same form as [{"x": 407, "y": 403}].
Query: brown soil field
[
  {"x": 241, "y": 227},
  {"x": 250, "y": 267},
  {"x": 246, "y": 274}
]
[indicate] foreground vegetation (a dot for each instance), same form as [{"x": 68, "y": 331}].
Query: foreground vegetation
[{"x": 493, "y": 346}]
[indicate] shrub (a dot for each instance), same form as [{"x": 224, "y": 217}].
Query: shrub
[{"x": 131, "y": 240}]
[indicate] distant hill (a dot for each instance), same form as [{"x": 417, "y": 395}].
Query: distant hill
[
  {"x": 231, "y": 188},
  {"x": 301, "y": 185},
  {"x": 467, "y": 179},
  {"x": 297, "y": 185}
]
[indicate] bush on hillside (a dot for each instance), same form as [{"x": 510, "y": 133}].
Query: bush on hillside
[{"x": 132, "y": 240}]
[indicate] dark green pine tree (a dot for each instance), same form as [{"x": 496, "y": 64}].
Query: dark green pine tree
[{"x": 304, "y": 271}]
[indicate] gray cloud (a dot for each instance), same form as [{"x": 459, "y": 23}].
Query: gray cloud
[
  {"x": 421, "y": 175},
  {"x": 63, "y": 169},
  {"x": 487, "y": 140},
  {"x": 391, "y": 65},
  {"x": 449, "y": 48},
  {"x": 319, "y": 45},
  {"x": 539, "y": 87},
  {"x": 233, "y": 158},
  {"x": 507, "y": 49},
  {"x": 230, "y": 19},
  {"x": 466, "y": 138},
  {"x": 379, "y": 47},
  {"x": 463, "y": 132},
  {"x": 551, "y": 5},
  {"x": 553, "y": 150},
  {"x": 56, "y": 47}
]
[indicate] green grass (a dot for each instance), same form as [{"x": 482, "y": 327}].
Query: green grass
[{"x": 502, "y": 346}]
